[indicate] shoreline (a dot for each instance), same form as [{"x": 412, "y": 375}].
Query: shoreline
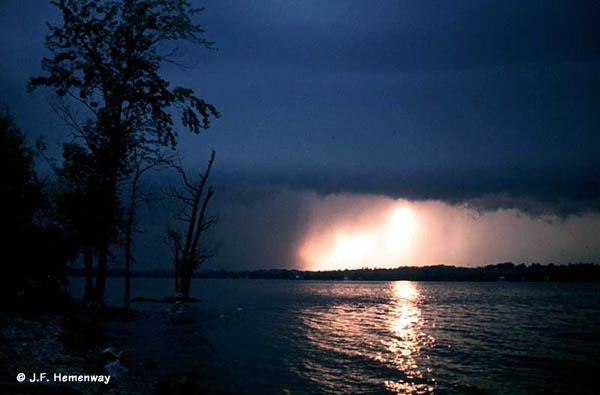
[
  {"x": 69, "y": 343},
  {"x": 84, "y": 342}
]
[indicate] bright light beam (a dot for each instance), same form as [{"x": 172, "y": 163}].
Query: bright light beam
[
  {"x": 400, "y": 229},
  {"x": 380, "y": 243}
]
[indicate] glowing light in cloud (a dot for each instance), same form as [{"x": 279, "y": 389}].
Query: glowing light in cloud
[
  {"x": 400, "y": 229},
  {"x": 346, "y": 231},
  {"x": 373, "y": 241},
  {"x": 349, "y": 249}
]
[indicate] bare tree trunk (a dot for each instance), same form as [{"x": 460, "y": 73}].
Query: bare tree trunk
[
  {"x": 127, "y": 271},
  {"x": 88, "y": 293},
  {"x": 177, "y": 271},
  {"x": 143, "y": 161},
  {"x": 196, "y": 224},
  {"x": 197, "y": 195},
  {"x": 186, "y": 282},
  {"x": 112, "y": 161},
  {"x": 109, "y": 209},
  {"x": 101, "y": 274},
  {"x": 191, "y": 261},
  {"x": 128, "y": 236},
  {"x": 176, "y": 278},
  {"x": 200, "y": 227},
  {"x": 174, "y": 240}
]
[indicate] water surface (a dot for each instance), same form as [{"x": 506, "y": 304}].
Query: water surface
[{"x": 280, "y": 336}]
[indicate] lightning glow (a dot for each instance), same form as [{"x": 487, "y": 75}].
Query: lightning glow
[{"x": 380, "y": 240}]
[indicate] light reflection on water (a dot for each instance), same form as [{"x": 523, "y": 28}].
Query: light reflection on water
[
  {"x": 272, "y": 336},
  {"x": 357, "y": 336},
  {"x": 406, "y": 323}
]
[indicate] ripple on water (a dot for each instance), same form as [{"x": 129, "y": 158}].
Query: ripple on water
[{"x": 376, "y": 343}]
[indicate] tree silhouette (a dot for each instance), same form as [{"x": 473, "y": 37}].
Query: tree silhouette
[
  {"x": 21, "y": 187},
  {"x": 174, "y": 241},
  {"x": 35, "y": 252},
  {"x": 107, "y": 57},
  {"x": 188, "y": 256},
  {"x": 76, "y": 206},
  {"x": 142, "y": 162}
]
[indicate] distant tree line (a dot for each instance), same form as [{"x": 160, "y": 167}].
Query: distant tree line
[
  {"x": 508, "y": 271},
  {"x": 498, "y": 272}
]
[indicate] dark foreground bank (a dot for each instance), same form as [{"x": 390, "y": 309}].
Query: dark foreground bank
[{"x": 83, "y": 350}]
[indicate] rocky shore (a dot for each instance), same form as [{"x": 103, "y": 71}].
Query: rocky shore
[
  {"x": 86, "y": 341},
  {"x": 72, "y": 343}
]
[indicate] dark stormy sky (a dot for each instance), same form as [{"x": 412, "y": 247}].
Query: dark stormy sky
[{"x": 330, "y": 108}]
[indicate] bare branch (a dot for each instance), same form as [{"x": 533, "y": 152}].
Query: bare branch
[{"x": 86, "y": 104}]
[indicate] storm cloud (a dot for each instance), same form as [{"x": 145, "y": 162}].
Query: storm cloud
[{"x": 491, "y": 107}]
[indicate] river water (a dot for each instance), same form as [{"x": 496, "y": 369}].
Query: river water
[{"x": 272, "y": 336}]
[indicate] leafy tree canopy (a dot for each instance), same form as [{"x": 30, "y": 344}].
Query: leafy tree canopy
[
  {"x": 106, "y": 55},
  {"x": 23, "y": 191}
]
